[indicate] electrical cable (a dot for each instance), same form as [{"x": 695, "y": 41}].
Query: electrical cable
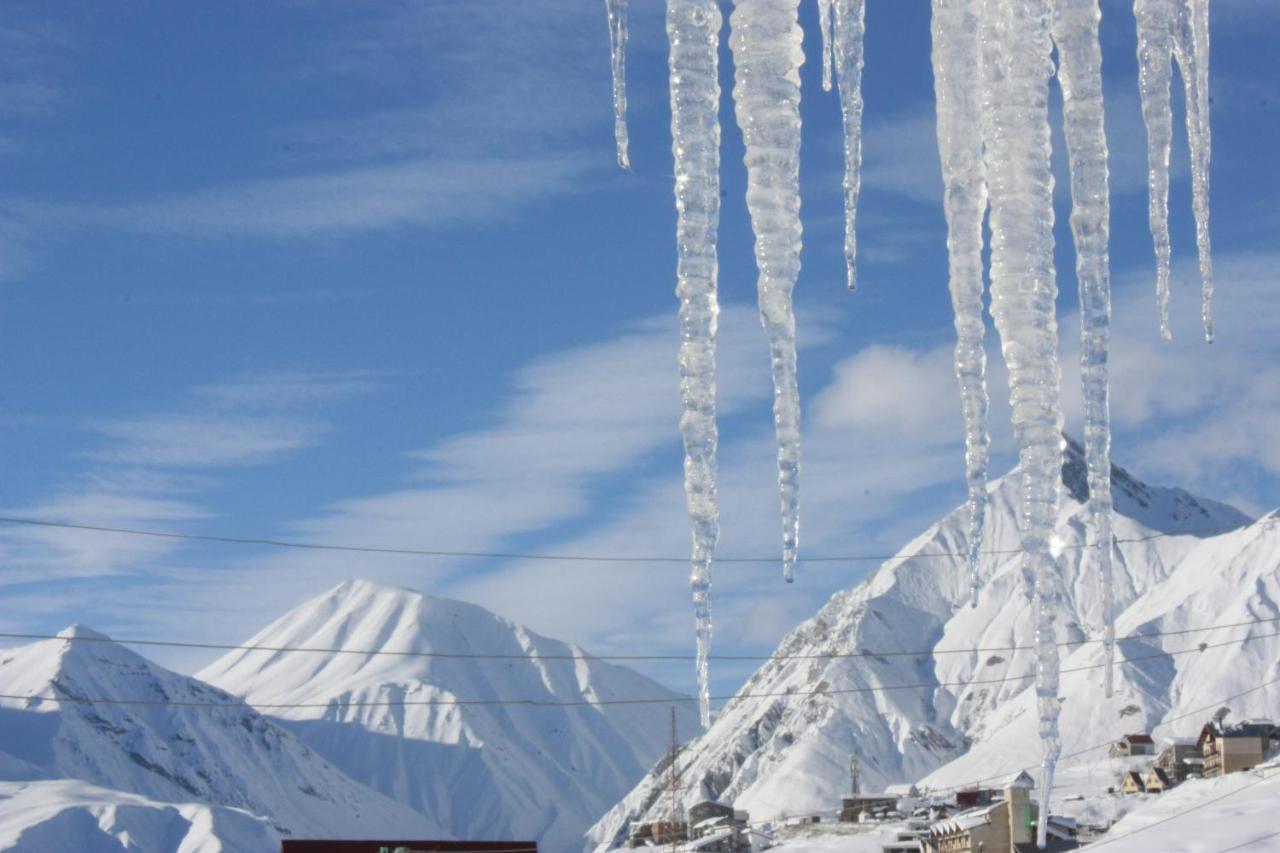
[
  {"x": 580, "y": 558},
  {"x": 859, "y": 653},
  {"x": 668, "y": 700}
]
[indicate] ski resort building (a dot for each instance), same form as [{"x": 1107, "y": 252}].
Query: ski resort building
[
  {"x": 1180, "y": 758},
  {"x": 1004, "y": 826},
  {"x": 1229, "y": 749},
  {"x": 1157, "y": 781},
  {"x": 717, "y": 827},
  {"x": 658, "y": 833},
  {"x": 1130, "y": 745},
  {"x": 1131, "y": 783},
  {"x": 853, "y": 808}
]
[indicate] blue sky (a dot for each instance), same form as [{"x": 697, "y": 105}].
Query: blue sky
[{"x": 366, "y": 273}]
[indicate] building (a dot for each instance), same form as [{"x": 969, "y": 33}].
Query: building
[
  {"x": 853, "y": 808},
  {"x": 1130, "y": 745},
  {"x": 718, "y": 827},
  {"x": 1002, "y": 827},
  {"x": 1180, "y": 758},
  {"x": 657, "y": 832},
  {"x": 1231, "y": 748},
  {"x": 1157, "y": 781},
  {"x": 1131, "y": 783},
  {"x": 295, "y": 846},
  {"x": 1021, "y": 779}
]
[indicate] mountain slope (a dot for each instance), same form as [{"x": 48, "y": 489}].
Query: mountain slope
[
  {"x": 486, "y": 770},
  {"x": 69, "y": 816},
  {"x": 783, "y": 744},
  {"x": 177, "y": 750},
  {"x": 1231, "y": 580}
]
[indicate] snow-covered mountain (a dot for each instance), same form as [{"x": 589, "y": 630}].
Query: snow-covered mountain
[
  {"x": 179, "y": 750},
  {"x": 393, "y": 720},
  {"x": 783, "y": 744},
  {"x": 70, "y": 816}
]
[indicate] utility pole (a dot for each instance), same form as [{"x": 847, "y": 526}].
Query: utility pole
[
  {"x": 673, "y": 783},
  {"x": 853, "y": 774}
]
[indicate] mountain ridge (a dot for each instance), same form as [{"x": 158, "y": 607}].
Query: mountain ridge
[
  {"x": 788, "y": 753},
  {"x": 511, "y": 769}
]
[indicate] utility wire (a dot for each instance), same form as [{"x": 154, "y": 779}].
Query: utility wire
[
  {"x": 666, "y": 700},
  {"x": 1102, "y": 842},
  {"x": 974, "y": 783},
  {"x": 858, "y": 653},
  {"x": 578, "y": 558}
]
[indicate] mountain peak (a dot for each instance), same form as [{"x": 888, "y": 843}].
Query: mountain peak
[{"x": 82, "y": 632}]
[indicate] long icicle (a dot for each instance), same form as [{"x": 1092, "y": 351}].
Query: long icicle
[
  {"x": 693, "y": 29},
  {"x": 767, "y": 55},
  {"x": 849, "y": 26},
  {"x": 956, "y": 81},
  {"x": 617, "y": 11},
  {"x": 1075, "y": 31},
  {"x": 1017, "y": 62},
  {"x": 824, "y": 24},
  {"x": 1155, "y": 51},
  {"x": 1191, "y": 50}
]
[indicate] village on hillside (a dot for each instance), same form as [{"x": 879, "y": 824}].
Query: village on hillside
[{"x": 989, "y": 816}]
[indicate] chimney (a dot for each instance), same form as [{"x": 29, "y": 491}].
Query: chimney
[{"x": 1021, "y": 814}]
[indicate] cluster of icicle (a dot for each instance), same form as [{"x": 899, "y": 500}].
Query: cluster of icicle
[
  {"x": 1176, "y": 30},
  {"x": 767, "y": 50},
  {"x": 993, "y": 61}
]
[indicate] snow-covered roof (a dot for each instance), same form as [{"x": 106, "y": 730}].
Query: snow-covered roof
[
  {"x": 1137, "y": 738},
  {"x": 708, "y": 841},
  {"x": 1178, "y": 741},
  {"x": 964, "y": 821},
  {"x": 902, "y": 789}
]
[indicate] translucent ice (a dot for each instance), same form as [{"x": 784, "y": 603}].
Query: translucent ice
[
  {"x": 956, "y": 81},
  {"x": 848, "y": 29},
  {"x": 617, "y": 10},
  {"x": 1075, "y": 31},
  {"x": 693, "y": 29},
  {"x": 1016, "y": 65},
  {"x": 1167, "y": 30},
  {"x": 767, "y": 54}
]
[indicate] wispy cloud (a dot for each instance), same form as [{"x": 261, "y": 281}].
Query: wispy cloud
[{"x": 325, "y": 204}]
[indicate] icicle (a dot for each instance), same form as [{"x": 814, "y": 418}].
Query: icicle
[
  {"x": 824, "y": 23},
  {"x": 1191, "y": 49},
  {"x": 1017, "y": 63},
  {"x": 693, "y": 28},
  {"x": 956, "y": 79},
  {"x": 767, "y": 55},
  {"x": 617, "y": 10},
  {"x": 849, "y": 28},
  {"x": 1155, "y": 49},
  {"x": 1075, "y": 30}
]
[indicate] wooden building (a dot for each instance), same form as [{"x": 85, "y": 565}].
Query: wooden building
[
  {"x": 1231, "y": 748},
  {"x": 1131, "y": 783},
  {"x": 1157, "y": 781},
  {"x": 1130, "y": 745}
]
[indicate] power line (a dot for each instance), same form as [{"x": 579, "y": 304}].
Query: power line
[
  {"x": 578, "y": 558},
  {"x": 665, "y": 700},
  {"x": 969, "y": 785},
  {"x": 858, "y": 653},
  {"x": 1106, "y": 743},
  {"x": 1102, "y": 842},
  {"x": 1252, "y": 841}
]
